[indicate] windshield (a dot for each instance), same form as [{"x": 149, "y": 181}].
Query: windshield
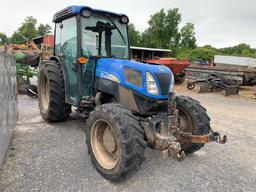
[{"x": 104, "y": 36}]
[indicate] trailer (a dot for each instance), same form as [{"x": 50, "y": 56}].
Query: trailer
[
  {"x": 177, "y": 66},
  {"x": 239, "y": 69}
]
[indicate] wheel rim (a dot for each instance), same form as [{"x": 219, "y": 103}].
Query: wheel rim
[
  {"x": 44, "y": 93},
  {"x": 104, "y": 144},
  {"x": 184, "y": 122},
  {"x": 191, "y": 86}
]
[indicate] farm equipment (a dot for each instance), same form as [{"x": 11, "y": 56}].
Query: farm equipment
[
  {"x": 215, "y": 83},
  {"x": 27, "y": 62},
  {"x": 177, "y": 67},
  {"x": 128, "y": 105},
  {"x": 244, "y": 76}
]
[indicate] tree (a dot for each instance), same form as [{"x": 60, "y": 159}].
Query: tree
[
  {"x": 183, "y": 53},
  {"x": 157, "y": 28},
  {"x": 146, "y": 39},
  {"x": 43, "y": 29},
  {"x": 188, "y": 39},
  {"x": 173, "y": 19},
  {"x": 164, "y": 28},
  {"x": 210, "y": 47},
  {"x": 135, "y": 38},
  {"x": 242, "y": 50},
  {"x": 28, "y": 28},
  {"x": 26, "y": 31},
  {"x": 202, "y": 54},
  {"x": 17, "y": 38},
  {"x": 3, "y": 39}
]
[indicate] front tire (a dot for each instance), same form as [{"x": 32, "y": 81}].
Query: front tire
[
  {"x": 192, "y": 118},
  {"x": 51, "y": 93},
  {"x": 115, "y": 141}
]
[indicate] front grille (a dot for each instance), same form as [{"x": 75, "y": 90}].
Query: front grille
[{"x": 164, "y": 80}]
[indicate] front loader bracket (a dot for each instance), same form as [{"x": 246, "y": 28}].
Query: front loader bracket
[{"x": 163, "y": 134}]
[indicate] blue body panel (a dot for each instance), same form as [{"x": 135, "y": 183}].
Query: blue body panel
[
  {"x": 106, "y": 67},
  {"x": 76, "y": 8}
]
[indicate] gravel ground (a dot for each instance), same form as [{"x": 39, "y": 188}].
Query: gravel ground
[{"x": 53, "y": 157}]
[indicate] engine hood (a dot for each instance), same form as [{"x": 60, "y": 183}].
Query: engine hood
[{"x": 114, "y": 68}]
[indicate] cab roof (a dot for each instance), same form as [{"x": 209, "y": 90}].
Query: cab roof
[{"x": 76, "y": 9}]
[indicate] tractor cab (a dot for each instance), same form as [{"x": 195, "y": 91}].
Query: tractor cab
[
  {"x": 83, "y": 36},
  {"x": 94, "y": 51}
]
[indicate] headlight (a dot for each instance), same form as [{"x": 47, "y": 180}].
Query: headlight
[
  {"x": 151, "y": 84},
  {"x": 172, "y": 83},
  {"x": 132, "y": 76}
]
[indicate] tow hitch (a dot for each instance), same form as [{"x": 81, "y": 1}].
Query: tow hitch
[
  {"x": 163, "y": 133},
  {"x": 174, "y": 150}
]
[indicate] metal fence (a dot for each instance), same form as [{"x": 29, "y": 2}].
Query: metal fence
[{"x": 8, "y": 101}]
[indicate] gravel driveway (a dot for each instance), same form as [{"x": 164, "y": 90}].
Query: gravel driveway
[{"x": 53, "y": 157}]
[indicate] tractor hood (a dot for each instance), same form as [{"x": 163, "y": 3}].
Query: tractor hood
[{"x": 114, "y": 69}]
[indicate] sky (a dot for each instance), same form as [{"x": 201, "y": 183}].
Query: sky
[{"x": 220, "y": 23}]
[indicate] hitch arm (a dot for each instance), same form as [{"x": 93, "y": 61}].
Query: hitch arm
[{"x": 189, "y": 138}]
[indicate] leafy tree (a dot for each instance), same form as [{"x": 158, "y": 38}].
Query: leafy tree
[
  {"x": 146, "y": 39},
  {"x": 202, "y": 54},
  {"x": 183, "y": 53},
  {"x": 26, "y": 31},
  {"x": 157, "y": 28},
  {"x": 188, "y": 39},
  {"x": 28, "y": 28},
  {"x": 164, "y": 28},
  {"x": 209, "y": 47},
  {"x": 242, "y": 50},
  {"x": 135, "y": 37},
  {"x": 3, "y": 39},
  {"x": 43, "y": 29},
  {"x": 173, "y": 19},
  {"x": 17, "y": 38}
]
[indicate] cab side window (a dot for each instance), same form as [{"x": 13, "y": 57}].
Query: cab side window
[{"x": 68, "y": 46}]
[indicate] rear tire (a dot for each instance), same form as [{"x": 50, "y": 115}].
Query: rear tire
[
  {"x": 193, "y": 119},
  {"x": 51, "y": 93},
  {"x": 126, "y": 154}
]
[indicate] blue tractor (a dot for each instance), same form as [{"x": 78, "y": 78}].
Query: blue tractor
[{"x": 129, "y": 105}]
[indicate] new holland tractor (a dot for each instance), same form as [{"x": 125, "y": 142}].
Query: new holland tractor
[{"x": 129, "y": 105}]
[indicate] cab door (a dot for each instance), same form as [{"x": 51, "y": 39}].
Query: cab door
[{"x": 66, "y": 50}]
